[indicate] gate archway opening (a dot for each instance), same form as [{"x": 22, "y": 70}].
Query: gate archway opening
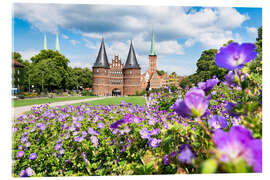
[{"x": 116, "y": 92}]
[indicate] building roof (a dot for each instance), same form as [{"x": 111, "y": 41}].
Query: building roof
[
  {"x": 102, "y": 60},
  {"x": 152, "y": 50},
  {"x": 16, "y": 63},
  {"x": 131, "y": 61}
]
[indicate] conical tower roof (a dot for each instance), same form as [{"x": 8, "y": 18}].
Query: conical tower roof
[
  {"x": 131, "y": 59},
  {"x": 57, "y": 45},
  {"x": 152, "y": 50},
  {"x": 102, "y": 60},
  {"x": 45, "y": 42}
]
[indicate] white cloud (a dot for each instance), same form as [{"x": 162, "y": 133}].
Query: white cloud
[
  {"x": 208, "y": 26},
  {"x": 65, "y": 36},
  {"x": 74, "y": 42},
  {"x": 252, "y": 31},
  {"x": 90, "y": 44},
  {"x": 27, "y": 54},
  {"x": 230, "y": 17}
]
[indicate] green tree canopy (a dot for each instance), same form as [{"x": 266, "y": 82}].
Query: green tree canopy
[{"x": 49, "y": 68}]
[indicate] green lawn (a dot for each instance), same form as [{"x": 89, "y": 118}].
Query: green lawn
[
  {"x": 140, "y": 100},
  {"x": 27, "y": 102}
]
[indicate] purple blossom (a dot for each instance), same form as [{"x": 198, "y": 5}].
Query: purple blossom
[
  {"x": 154, "y": 142},
  {"x": 57, "y": 146},
  {"x": 166, "y": 160},
  {"x": 93, "y": 132},
  {"x": 100, "y": 125},
  {"x": 208, "y": 85},
  {"x": 78, "y": 139},
  {"x": 22, "y": 173},
  {"x": 145, "y": 133},
  {"x": 194, "y": 104},
  {"x": 94, "y": 140},
  {"x": 84, "y": 133},
  {"x": 185, "y": 154},
  {"x": 20, "y": 154},
  {"x": 23, "y": 139},
  {"x": 32, "y": 156},
  {"x": 155, "y": 131},
  {"x": 78, "y": 125},
  {"x": 29, "y": 171},
  {"x": 216, "y": 122},
  {"x": 238, "y": 143},
  {"x": 234, "y": 56}
]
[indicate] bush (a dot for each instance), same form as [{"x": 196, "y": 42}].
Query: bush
[{"x": 87, "y": 93}]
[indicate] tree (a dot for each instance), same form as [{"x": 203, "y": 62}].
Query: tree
[
  {"x": 18, "y": 74},
  {"x": 206, "y": 69},
  {"x": 160, "y": 72},
  {"x": 255, "y": 66},
  {"x": 17, "y": 56},
  {"x": 50, "y": 69},
  {"x": 79, "y": 77}
]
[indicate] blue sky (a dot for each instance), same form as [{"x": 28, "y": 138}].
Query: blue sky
[{"x": 181, "y": 33}]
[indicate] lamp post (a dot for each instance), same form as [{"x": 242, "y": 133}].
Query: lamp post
[{"x": 29, "y": 82}]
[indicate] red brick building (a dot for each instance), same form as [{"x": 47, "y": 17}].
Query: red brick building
[{"x": 116, "y": 78}]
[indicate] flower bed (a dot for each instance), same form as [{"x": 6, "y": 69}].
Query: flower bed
[{"x": 215, "y": 126}]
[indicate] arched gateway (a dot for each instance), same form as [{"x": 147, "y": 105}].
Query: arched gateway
[{"x": 116, "y": 92}]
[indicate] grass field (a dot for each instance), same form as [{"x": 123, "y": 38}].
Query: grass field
[
  {"x": 27, "y": 102},
  {"x": 140, "y": 100}
]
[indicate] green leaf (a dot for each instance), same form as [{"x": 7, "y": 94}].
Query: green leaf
[{"x": 209, "y": 166}]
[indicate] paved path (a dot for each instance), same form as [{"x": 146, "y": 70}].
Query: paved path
[{"x": 17, "y": 111}]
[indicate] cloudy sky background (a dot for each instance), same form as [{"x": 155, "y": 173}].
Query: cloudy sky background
[{"x": 181, "y": 33}]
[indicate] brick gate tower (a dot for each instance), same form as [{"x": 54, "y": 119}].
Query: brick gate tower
[
  {"x": 132, "y": 73},
  {"x": 100, "y": 72}
]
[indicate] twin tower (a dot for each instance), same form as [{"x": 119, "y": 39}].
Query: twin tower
[{"x": 116, "y": 78}]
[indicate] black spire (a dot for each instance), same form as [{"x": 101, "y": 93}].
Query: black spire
[
  {"x": 131, "y": 59},
  {"x": 102, "y": 60}
]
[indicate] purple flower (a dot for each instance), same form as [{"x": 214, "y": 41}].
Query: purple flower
[
  {"x": 93, "y": 132},
  {"x": 145, "y": 133},
  {"x": 22, "y": 173},
  {"x": 238, "y": 143},
  {"x": 100, "y": 125},
  {"x": 154, "y": 142},
  {"x": 20, "y": 154},
  {"x": 155, "y": 131},
  {"x": 94, "y": 140},
  {"x": 194, "y": 104},
  {"x": 42, "y": 127},
  {"x": 234, "y": 56},
  {"x": 78, "y": 125},
  {"x": 216, "y": 122},
  {"x": 117, "y": 124},
  {"x": 29, "y": 171},
  {"x": 84, "y": 134},
  {"x": 78, "y": 139},
  {"x": 23, "y": 139},
  {"x": 208, "y": 85},
  {"x": 57, "y": 146},
  {"x": 166, "y": 160},
  {"x": 32, "y": 156},
  {"x": 185, "y": 154}
]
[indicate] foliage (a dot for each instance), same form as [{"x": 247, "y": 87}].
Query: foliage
[
  {"x": 160, "y": 72},
  {"x": 206, "y": 69},
  {"x": 79, "y": 78}
]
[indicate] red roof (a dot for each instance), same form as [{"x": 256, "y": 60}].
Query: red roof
[{"x": 16, "y": 63}]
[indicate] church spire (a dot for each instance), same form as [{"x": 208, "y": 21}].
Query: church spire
[
  {"x": 57, "y": 45},
  {"x": 152, "y": 50},
  {"x": 45, "y": 42}
]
